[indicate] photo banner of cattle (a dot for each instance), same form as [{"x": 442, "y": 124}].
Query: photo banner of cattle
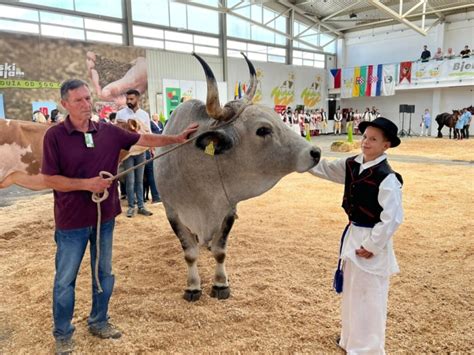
[{"x": 32, "y": 69}]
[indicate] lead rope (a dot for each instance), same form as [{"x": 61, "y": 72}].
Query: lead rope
[{"x": 98, "y": 197}]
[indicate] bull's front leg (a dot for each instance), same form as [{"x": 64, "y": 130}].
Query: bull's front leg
[
  {"x": 190, "y": 246},
  {"x": 221, "y": 289}
]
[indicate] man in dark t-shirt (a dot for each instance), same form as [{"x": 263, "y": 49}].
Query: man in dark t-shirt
[
  {"x": 425, "y": 55},
  {"x": 74, "y": 153}
]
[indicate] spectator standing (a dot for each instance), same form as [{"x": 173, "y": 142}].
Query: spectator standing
[
  {"x": 134, "y": 179},
  {"x": 450, "y": 54},
  {"x": 466, "y": 52},
  {"x": 439, "y": 54},
  {"x": 426, "y": 54},
  {"x": 425, "y": 122}
]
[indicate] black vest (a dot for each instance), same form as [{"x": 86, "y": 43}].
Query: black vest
[{"x": 361, "y": 192}]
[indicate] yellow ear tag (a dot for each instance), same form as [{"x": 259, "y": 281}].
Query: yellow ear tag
[{"x": 210, "y": 148}]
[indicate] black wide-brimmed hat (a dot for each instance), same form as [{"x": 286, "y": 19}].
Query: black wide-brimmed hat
[{"x": 389, "y": 128}]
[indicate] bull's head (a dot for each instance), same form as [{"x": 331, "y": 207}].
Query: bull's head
[{"x": 213, "y": 105}]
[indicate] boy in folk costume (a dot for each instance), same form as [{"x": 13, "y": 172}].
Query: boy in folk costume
[
  {"x": 337, "y": 122},
  {"x": 373, "y": 203}
]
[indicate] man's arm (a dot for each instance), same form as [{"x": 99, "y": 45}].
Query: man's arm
[
  {"x": 154, "y": 140},
  {"x": 65, "y": 184}
]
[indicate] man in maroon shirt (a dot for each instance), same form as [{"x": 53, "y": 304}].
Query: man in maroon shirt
[{"x": 75, "y": 151}]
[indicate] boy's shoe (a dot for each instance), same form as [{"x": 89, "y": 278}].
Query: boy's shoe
[
  {"x": 64, "y": 346},
  {"x": 130, "y": 212},
  {"x": 106, "y": 332},
  {"x": 156, "y": 201},
  {"x": 144, "y": 212}
]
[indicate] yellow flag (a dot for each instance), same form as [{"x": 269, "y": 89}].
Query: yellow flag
[{"x": 356, "y": 83}]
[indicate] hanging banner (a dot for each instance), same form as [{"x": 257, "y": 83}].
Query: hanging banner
[
  {"x": 405, "y": 72},
  {"x": 388, "y": 79},
  {"x": 336, "y": 79},
  {"x": 173, "y": 97},
  {"x": 2, "y": 110}
]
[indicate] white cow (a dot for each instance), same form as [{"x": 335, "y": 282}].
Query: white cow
[{"x": 200, "y": 191}]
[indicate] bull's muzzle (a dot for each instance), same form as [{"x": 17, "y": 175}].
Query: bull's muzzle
[{"x": 315, "y": 154}]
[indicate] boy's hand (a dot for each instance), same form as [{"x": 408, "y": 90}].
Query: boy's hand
[{"x": 364, "y": 253}]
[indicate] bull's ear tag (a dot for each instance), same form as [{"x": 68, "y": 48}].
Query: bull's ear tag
[
  {"x": 210, "y": 148},
  {"x": 89, "y": 141}
]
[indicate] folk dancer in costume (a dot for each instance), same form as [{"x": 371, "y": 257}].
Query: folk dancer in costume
[
  {"x": 324, "y": 121},
  {"x": 337, "y": 122},
  {"x": 373, "y": 203}
]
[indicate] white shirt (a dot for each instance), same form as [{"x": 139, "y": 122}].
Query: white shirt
[
  {"x": 378, "y": 239},
  {"x": 127, "y": 113}
]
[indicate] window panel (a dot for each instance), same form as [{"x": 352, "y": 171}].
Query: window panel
[
  {"x": 112, "y": 8},
  {"x": 103, "y": 37},
  {"x": 178, "y": 47},
  {"x": 148, "y": 32},
  {"x": 297, "y": 54},
  {"x": 256, "y": 48},
  {"x": 61, "y": 4},
  {"x": 214, "y": 3},
  {"x": 237, "y": 27},
  {"x": 297, "y": 61},
  {"x": 59, "y": 19},
  {"x": 62, "y": 32},
  {"x": 206, "y": 50},
  {"x": 277, "y": 51},
  {"x": 262, "y": 35},
  {"x": 145, "y": 42},
  {"x": 308, "y": 62},
  {"x": 267, "y": 16},
  {"x": 237, "y": 45},
  {"x": 277, "y": 59},
  {"x": 18, "y": 13},
  {"x": 203, "y": 20},
  {"x": 105, "y": 26},
  {"x": 209, "y": 41},
  {"x": 256, "y": 13},
  {"x": 231, "y": 53},
  {"x": 331, "y": 48},
  {"x": 16, "y": 26},
  {"x": 307, "y": 55},
  {"x": 178, "y": 15},
  {"x": 279, "y": 39},
  {"x": 318, "y": 64},
  {"x": 257, "y": 56},
  {"x": 180, "y": 37},
  {"x": 280, "y": 24},
  {"x": 320, "y": 57},
  {"x": 151, "y": 11}
]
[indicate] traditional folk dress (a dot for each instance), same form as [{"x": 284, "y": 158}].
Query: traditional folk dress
[{"x": 373, "y": 203}]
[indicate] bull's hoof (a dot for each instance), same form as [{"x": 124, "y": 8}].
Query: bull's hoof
[
  {"x": 220, "y": 292},
  {"x": 192, "y": 295}
]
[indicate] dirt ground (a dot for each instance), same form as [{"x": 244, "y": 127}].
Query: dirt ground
[{"x": 282, "y": 254}]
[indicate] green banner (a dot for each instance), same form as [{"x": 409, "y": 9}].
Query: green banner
[
  {"x": 173, "y": 96},
  {"x": 29, "y": 84}
]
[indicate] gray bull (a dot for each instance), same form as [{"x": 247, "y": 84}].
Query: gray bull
[{"x": 253, "y": 150}]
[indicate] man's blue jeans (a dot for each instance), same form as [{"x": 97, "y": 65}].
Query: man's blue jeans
[
  {"x": 134, "y": 180},
  {"x": 71, "y": 246},
  {"x": 150, "y": 176}
]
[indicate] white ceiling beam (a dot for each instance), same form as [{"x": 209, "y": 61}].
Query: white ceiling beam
[
  {"x": 397, "y": 17},
  {"x": 421, "y": 2},
  {"x": 341, "y": 10},
  {"x": 301, "y": 12},
  {"x": 306, "y": 30},
  {"x": 400, "y": 10},
  {"x": 424, "y": 15}
]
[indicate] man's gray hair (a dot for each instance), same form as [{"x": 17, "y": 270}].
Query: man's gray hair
[{"x": 71, "y": 84}]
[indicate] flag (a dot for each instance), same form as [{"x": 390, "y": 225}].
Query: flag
[
  {"x": 336, "y": 74},
  {"x": 388, "y": 80},
  {"x": 362, "y": 80},
  {"x": 405, "y": 72},
  {"x": 374, "y": 76},
  {"x": 347, "y": 82},
  {"x": 244, "y": 88},
  {"x": 236, "y": 91},
  {"x": 356, "y": 82},
  {"x": 240, "y": 91}
]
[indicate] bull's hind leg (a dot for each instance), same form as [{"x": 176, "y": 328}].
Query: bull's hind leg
[
  {"x": 221, "y": 289},
  {"x": 190, "y": 246}
]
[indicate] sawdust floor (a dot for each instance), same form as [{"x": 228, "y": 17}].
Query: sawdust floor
[{"x": 281, "y": 256}]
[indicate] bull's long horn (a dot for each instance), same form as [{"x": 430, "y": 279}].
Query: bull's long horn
[
  {"x": 250, "y": 93},
  {"x": 213, "y": 105}
]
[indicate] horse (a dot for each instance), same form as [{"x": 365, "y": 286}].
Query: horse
[{"x": 448, "y": 120}]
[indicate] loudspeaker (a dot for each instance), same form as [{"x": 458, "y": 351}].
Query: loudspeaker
[
  {"x": 403, "y": 108},
  {"x": 411, "y": 109}
]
